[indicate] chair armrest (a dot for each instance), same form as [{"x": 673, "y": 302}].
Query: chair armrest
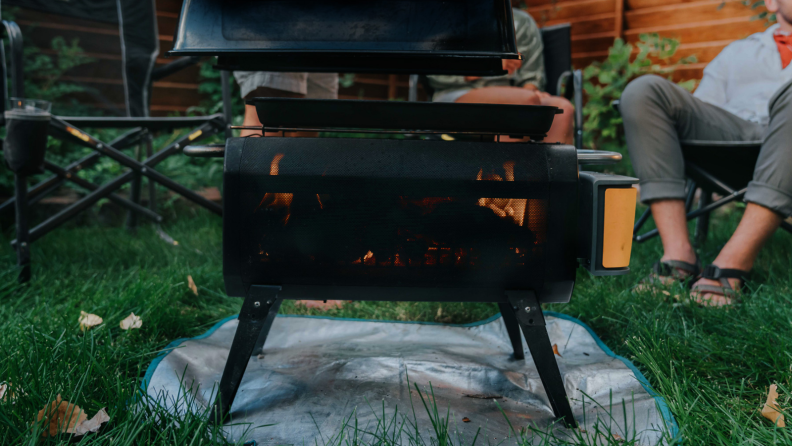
[
  {"x": 577, "y": 85},
  {"x": 734, "y": 144}
]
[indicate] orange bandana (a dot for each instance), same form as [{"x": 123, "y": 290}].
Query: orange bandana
[{"x": 784, "y": 43}]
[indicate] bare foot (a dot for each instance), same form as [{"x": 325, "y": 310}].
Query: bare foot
[
  {"x": 711, "y": 299},
  {"x": 322, "y": 305}
]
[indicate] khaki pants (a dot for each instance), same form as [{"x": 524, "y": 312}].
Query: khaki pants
[{"x": 658, "y": 114}]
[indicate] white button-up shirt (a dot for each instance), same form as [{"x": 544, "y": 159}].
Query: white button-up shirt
[{"x": 744, "y": 76}]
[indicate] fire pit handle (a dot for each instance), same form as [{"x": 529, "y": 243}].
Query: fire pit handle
[
  {"x": 206, "y": 151},
  {"x": 589, "y": 157}
]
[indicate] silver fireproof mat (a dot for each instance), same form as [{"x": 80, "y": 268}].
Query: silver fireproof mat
[{"x": 319, "y": 377}]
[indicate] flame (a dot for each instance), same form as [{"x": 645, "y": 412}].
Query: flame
[
  {"x": 513, "y": 208},
  {"x": 277, "y": 201}
]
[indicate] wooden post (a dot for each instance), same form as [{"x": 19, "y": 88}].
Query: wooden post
[
  {"x": 619, "y": 19},
  {"x": 393, "y": 79}
]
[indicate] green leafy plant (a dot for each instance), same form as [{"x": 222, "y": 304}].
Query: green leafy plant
[
  {"x": 756, "y": 4},
  {"x": 44, "y": 72},
  {"x": 604, "y": 82}
]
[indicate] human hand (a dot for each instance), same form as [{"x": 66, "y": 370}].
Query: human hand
[{"x": 511, "y": 65}]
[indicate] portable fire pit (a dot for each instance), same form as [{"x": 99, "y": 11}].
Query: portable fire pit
[{"x": 413, "y": 218}]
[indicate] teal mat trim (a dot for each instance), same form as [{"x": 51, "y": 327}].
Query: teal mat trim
[
  {"x": 659, "y": 400},
  {"x": 665, "y": 411}
]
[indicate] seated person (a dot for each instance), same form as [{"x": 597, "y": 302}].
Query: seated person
[
  {"x": 523, "y": 85},
  {"x": 261, "y": 84},
  {"x": 746, "y": 94}
]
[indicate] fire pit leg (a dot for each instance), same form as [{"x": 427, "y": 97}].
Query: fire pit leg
[
  {"x": 531, "y": 319},
  {"x": 252, "y": 320},
  {"x": 267, "y": 326},
  {"x": 513, "y": 328}
]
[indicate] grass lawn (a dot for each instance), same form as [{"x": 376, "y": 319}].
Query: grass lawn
[{"x": 713, "y": 366}]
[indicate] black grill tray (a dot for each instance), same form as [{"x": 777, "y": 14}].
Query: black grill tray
[{"x": 531, "y": 120}]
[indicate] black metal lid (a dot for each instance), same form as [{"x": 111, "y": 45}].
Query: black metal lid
[{"x": 396, "y": 36}]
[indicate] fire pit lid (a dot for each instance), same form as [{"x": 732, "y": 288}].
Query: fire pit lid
[{"x": 404, "y": 36}]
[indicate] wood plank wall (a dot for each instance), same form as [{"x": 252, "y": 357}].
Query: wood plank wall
[{"x": 702, "y": 26}]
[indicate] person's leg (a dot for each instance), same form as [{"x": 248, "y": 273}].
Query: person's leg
[
  {"x": 561, "y": 130},
  {"x": 756, "y": 227},
  {"x": 658, "y": 114},
  {"x": 500, "y": 95},
  {"x": 769, "y": 197},
  {"x": 564, "y": 124},
  {"x": 251, "y": 117}
]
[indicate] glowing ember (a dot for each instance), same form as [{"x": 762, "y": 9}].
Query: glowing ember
[
  {"x": 513, "y": 208},
  {"x": 277, "y": 201}
]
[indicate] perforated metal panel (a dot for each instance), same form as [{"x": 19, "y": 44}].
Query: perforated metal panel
[{"x": 362, "y": 212}]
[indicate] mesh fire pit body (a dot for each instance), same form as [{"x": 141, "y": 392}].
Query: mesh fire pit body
[{"x": 412, "y": 218}]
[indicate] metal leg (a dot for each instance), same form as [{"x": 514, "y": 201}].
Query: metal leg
[
  {"x": 702, "y": 223},
  {"x": 152, "y": 186},
  {"x": 262, "y": 339},
  {"x": 531, "y": 319},
  {"x": 691, "y": 192},
  {"x": 252, "y": 319},
  {"x": 134, "y": 193},
  {"x": 132, "y": 207},
  {"x": 23, "y": 245},
  {"x": 513, "y": 328},
  {"x": 225, "y": 88},
  {"x": 641, "y": 221}
]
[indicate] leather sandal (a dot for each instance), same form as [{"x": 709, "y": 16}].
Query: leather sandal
[
  {"x": 714, "y": 272},
  {"x": 675, "y": 269}
]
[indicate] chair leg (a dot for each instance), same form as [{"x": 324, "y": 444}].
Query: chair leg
[
  {"x": 152, "y": 186},
  {"x": 252, "y": 319},
  {"x": 134, "y": 194},
  {"x": 531, "y": 319},
  {"x": 262, "y": 339},
  {"x": 702, "y": 223},
  {"x": 513, "y": 329},
  {"x": 22, "y": 229},
  {"x": 691, "y": 193}
]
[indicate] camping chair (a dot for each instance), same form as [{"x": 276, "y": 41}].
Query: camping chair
[
  {"x": 139, "y": 133},
  {"x": 714, "y": 167},
  {"x": 562, "y": 80}
]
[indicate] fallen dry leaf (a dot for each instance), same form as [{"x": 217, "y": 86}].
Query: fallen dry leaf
[
  {"x": 88, "y": 320},
  {"x": 9, "y": 392},
  {"x": 191, "y": 285},
  {"x": 555, "y": 350},
  {"x": 60, "y": 416},
  {"x": 4, "y": 387},
  {"x": 93, "y": 424},
  {"x": 131, "y": 322},
  {"x": 466, "y": 420},
  {"x": 770, "y": 410},
  {"x": 63, "y": 416}
]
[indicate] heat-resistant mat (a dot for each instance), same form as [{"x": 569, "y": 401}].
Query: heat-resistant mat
[{"x": 320, "y": 377}]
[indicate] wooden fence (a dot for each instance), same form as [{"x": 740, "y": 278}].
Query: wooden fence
[{"x": 704, "y": 27}]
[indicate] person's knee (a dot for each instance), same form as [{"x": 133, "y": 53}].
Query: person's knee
[
  {"x": 781, "y": 102},
  {"x": 531, "y": 99},
  {"x": 567, "y": 107},
  {"x": 640, "y": 93}
]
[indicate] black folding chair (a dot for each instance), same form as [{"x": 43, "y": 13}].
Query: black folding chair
[
  {"x": 561, "y": 79},
  {"x": 71, "y": 129},
  {"x": 713, "y": 167}
]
